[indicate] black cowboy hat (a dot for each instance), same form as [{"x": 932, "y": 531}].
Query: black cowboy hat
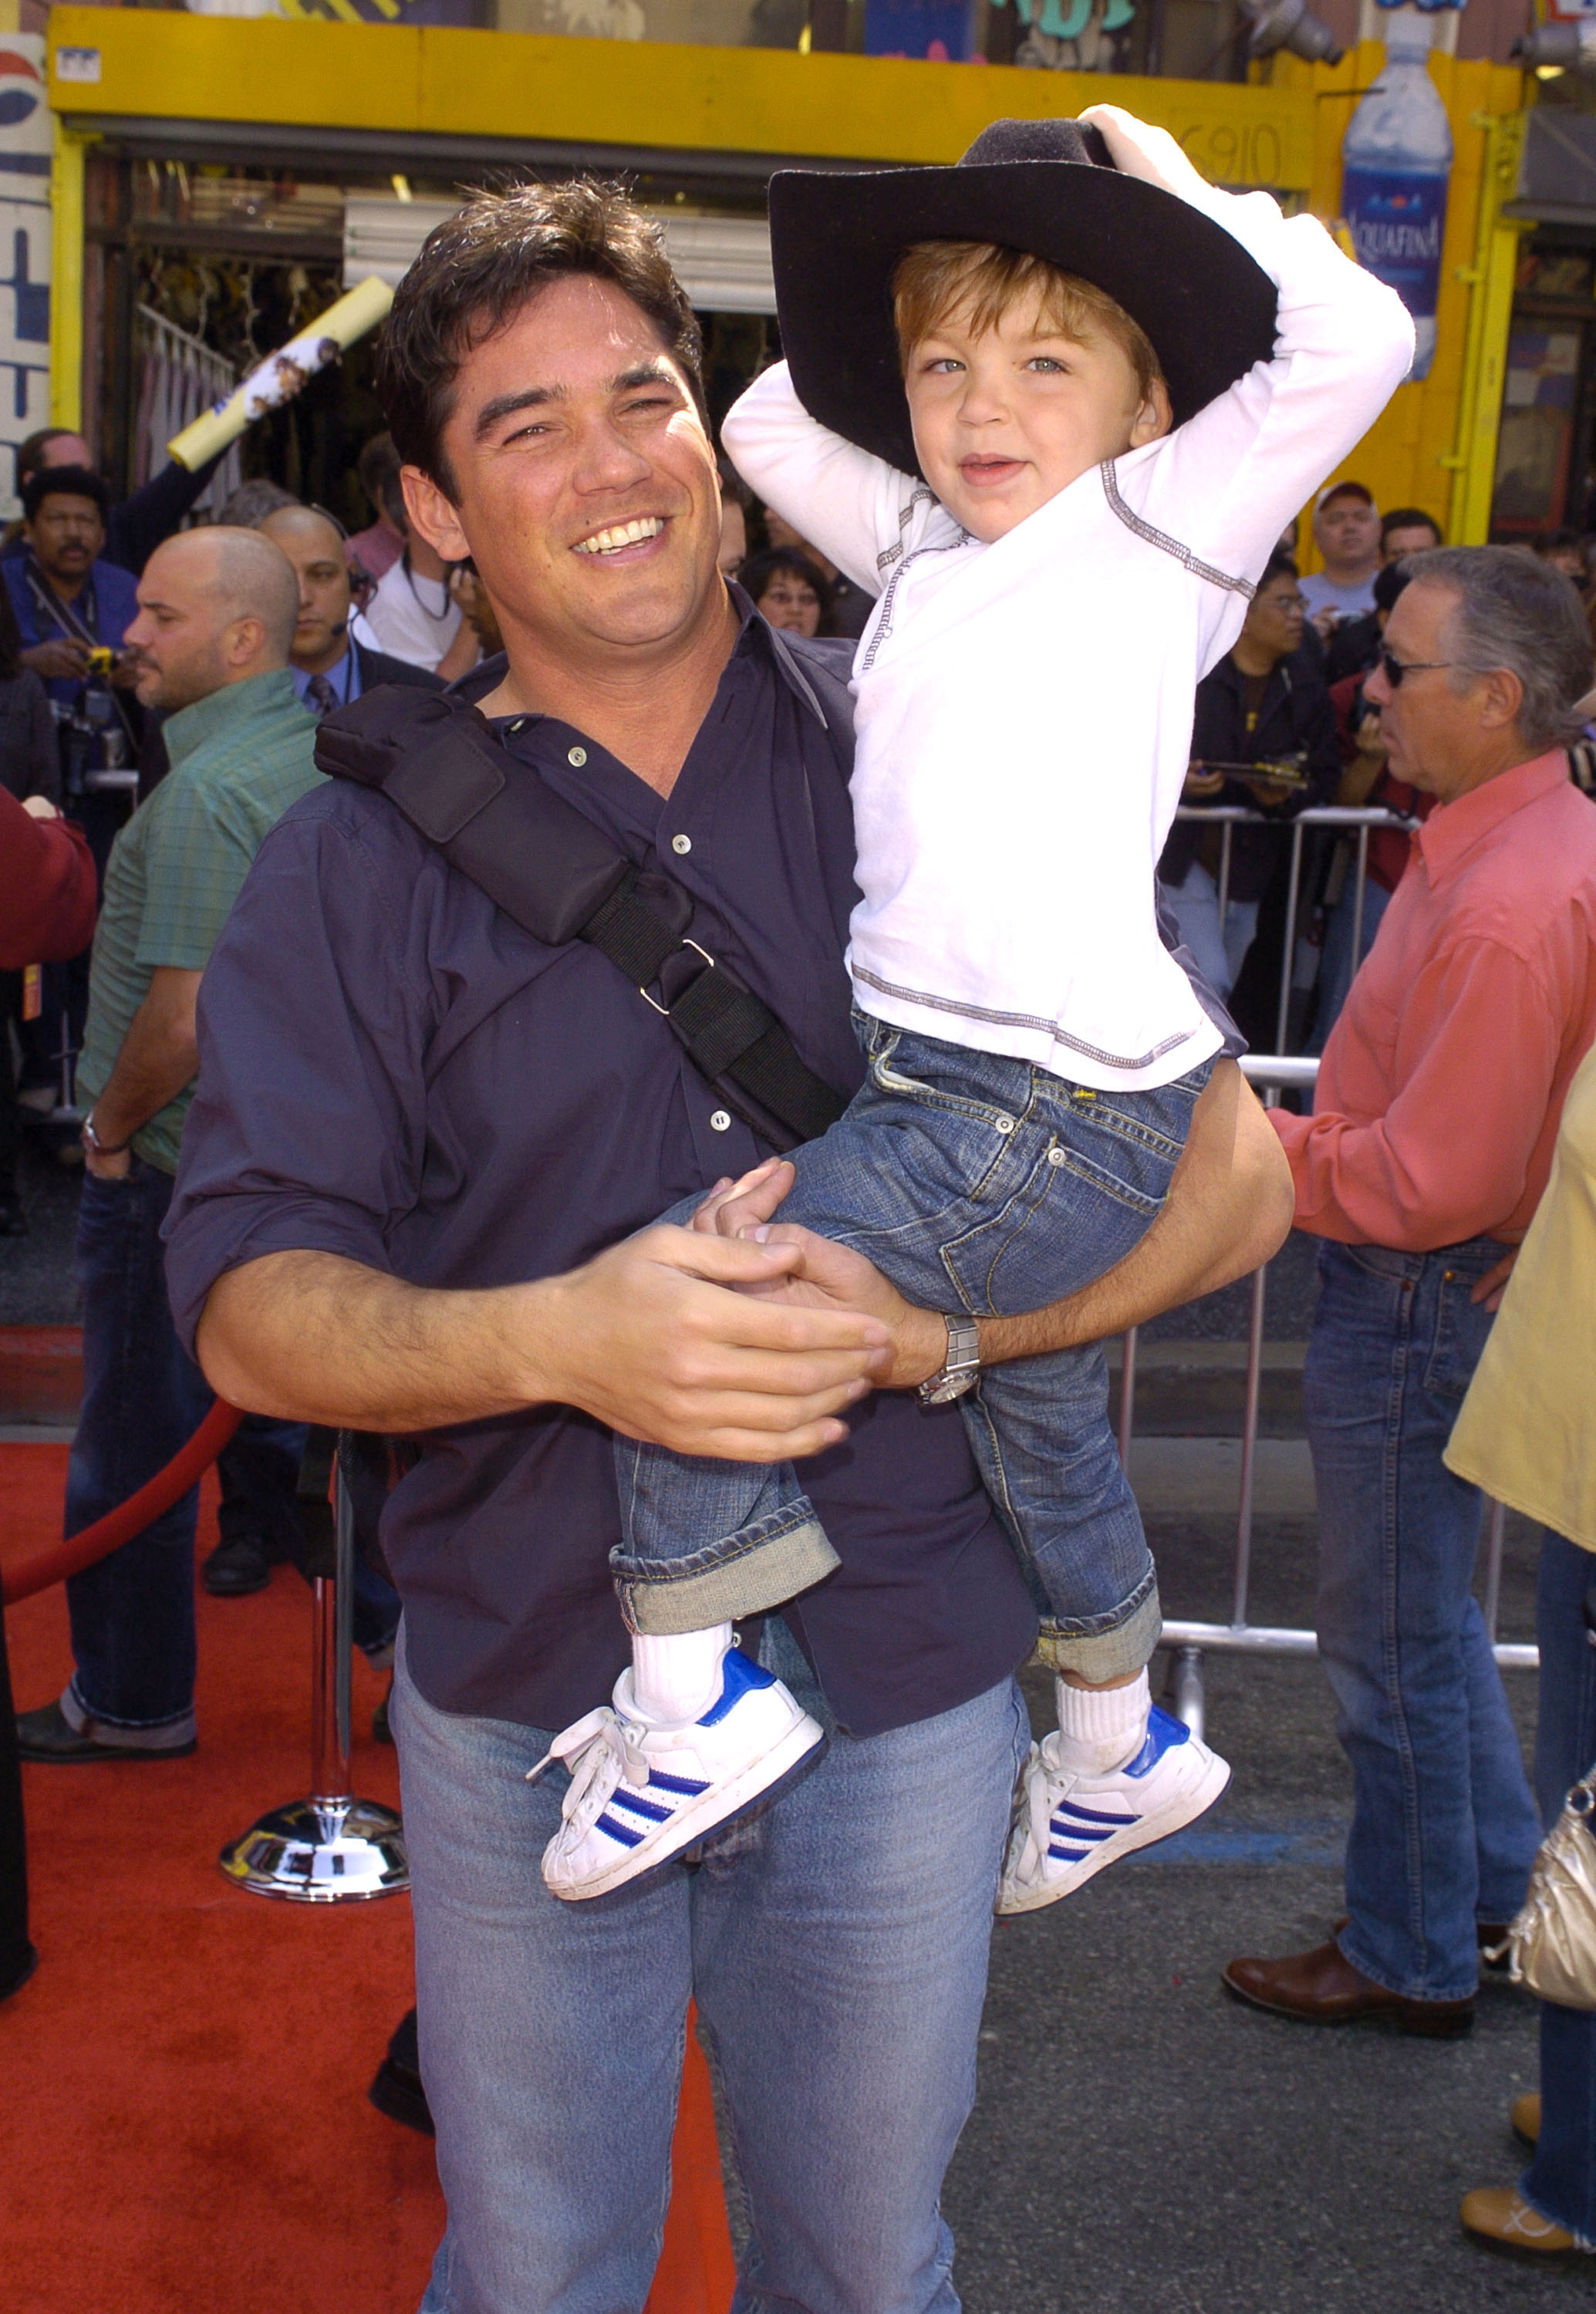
[{"x": 1047, "y": 187}]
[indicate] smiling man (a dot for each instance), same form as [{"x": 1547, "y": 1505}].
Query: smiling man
[
  {"x": 1431, "y": 1142},
  {"x": 422, "y": 1145}
]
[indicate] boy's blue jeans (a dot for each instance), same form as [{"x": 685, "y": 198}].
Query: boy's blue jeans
[
  {"x": 1561, "y": 2180},
  {"x": 976, "y": 1184},
  {"x": 1443, "y": 1828}
]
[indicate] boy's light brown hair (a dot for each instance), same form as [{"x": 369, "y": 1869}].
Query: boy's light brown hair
[{"x": 978, "y": 281}]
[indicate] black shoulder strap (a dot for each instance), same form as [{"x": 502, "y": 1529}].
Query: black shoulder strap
[{"x": 437, "y": 761}]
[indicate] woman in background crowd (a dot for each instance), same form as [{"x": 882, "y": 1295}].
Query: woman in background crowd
[
  {"x": 1264, "y": 705},
  {"x": 789, "y": 589}
]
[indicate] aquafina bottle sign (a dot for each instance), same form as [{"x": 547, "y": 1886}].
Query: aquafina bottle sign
[
  {"x": 1395, "y": 160},
  {"x": 1396, "y": 221}
]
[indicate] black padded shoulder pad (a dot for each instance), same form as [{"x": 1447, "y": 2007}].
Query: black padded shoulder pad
[{"x": 440, "y": 762}]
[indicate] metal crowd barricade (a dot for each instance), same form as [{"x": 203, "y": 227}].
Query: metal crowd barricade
[{"x": 1272, "y": 1073}]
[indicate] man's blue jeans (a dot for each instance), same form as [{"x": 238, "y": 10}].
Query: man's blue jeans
[
  {"x": 836, "y": 1946},
  {"x": 1561, "y": 2180},
  {"x": 132, "y": 1614},
  {"x": 1443, "y": 1827},
  {"x": 976, "y": 1184}
]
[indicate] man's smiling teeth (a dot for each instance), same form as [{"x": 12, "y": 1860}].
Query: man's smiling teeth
[{"x": 625, "y": 534}]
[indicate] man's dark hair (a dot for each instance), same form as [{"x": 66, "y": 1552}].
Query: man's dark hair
[
  {"x": 64, "y": 482},
  {"x": 30, "y": 451},
  {"x": 378, "y": 459},
  {"x": 1390, "y": 581},
  {"x": 480, "y": 268},
  {"x": 1279, "y": 566},
  {"x": 1407, "y": 518}
]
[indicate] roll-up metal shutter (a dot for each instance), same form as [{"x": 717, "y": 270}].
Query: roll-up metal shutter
[{"x": 723, "y": 263}]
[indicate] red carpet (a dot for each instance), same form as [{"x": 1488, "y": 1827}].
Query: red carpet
[{"x": 184, "y": 2121}]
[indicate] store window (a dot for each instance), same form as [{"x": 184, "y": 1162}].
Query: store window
[{"x": 1545, "y": 456}]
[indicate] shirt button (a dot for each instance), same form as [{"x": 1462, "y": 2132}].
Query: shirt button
[
  {"x": 519, "y": 724},
  {"x": 719, "y": 1121},
  {"x": 577, "y": 757},
  {"x": 1002, "y": 1124},
  {"x": 681, "y": 843}
]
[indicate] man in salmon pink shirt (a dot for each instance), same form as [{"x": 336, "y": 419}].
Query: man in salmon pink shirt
[{"x": 1438, "y": 1102}]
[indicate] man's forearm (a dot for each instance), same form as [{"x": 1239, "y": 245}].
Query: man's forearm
[
  {"x": 160, "y": 1056},
  {"x": 644, "y": 1338},
  {"x": 1229, "y": 1208},
  {"x": 312, "y": 1337}
]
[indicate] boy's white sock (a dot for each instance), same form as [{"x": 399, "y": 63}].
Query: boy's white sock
[
  {"x": 1101, "y": 1728},
  {"x": 675, "y": 1679}
]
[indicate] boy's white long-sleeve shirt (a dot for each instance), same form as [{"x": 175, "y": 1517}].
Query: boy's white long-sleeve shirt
[{"x": 1024, "y": 707}]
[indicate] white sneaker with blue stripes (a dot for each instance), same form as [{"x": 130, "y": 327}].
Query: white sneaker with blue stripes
[
  {"x": 640, "y": 1794},
  {"x": 1069, "y": 1827}
]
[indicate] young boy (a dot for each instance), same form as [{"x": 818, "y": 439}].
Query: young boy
[{"x": 1025, "y": 329}]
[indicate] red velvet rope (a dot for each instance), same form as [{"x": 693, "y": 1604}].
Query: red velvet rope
[{"x": 119, "y": 1526}]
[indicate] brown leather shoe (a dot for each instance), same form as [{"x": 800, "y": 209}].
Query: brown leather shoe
[
  {"x": 1526, "y": 2117},
  {"x": 1321, "y": 1988},
  {"x": 1500, "y": 2217}
]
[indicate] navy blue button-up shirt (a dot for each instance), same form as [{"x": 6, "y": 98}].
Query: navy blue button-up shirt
[{"x": 393, "y": 1071}]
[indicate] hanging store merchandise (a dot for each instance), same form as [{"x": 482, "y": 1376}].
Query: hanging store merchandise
[{"x": 178, "y": 377}]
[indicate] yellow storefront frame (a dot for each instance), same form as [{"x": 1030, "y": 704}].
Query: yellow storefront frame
[
  {"x": 1433, "y": 447},
  {"x": 441, "y": 80}
]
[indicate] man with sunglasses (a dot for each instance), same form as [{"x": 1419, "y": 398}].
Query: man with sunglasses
[{"x": 1437, "y": 1108}]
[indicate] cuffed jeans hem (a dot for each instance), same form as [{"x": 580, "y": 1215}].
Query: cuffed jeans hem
[
  {"x": 1581, "y": 2241},
  {"x": 1101, "y": 1656},
  {"x": 151, "y": 1735},
  {"x": 761, "y": 1567},
  {"x": 1377, "y": 1975}
]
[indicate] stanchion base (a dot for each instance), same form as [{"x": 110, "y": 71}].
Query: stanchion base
[{"x": 321, "y": 1852}]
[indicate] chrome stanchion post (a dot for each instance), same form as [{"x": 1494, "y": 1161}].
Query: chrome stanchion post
[
  {"x": 1249, "y": 1449},
  {"x": 66, "y": 1111},
  {"x": 1186, "y": 1692},
  {"x": 1496, "y": 1535},
  {"x": 1288, "y": 960},
  {"x": 1127, "y": 1396},
  {"x": 331, "y": 1848},
  {"x": 1359, "y": 888}
]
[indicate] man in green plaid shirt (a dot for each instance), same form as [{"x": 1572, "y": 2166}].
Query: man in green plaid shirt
[{"x": 217, "y": 612}]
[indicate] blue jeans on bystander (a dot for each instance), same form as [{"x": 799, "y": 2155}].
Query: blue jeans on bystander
[
  {"x": 1443, "y": 1827},
  {"x": 836, "y": 1946},
  {"x": 132, "y": 1615}
]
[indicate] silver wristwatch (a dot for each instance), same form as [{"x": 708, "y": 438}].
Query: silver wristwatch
[{"x": 961, "y": 1368}]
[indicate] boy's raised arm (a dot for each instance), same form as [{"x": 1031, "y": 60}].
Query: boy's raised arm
[
  {"x": 1228, "y": 481},
  {"x": 854, "y": 508}
]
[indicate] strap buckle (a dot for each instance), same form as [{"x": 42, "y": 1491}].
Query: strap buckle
[{"x": 664, "y": 1010}]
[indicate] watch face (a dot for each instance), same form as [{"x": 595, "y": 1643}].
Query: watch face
[{"x": 947, "y": 1388}]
